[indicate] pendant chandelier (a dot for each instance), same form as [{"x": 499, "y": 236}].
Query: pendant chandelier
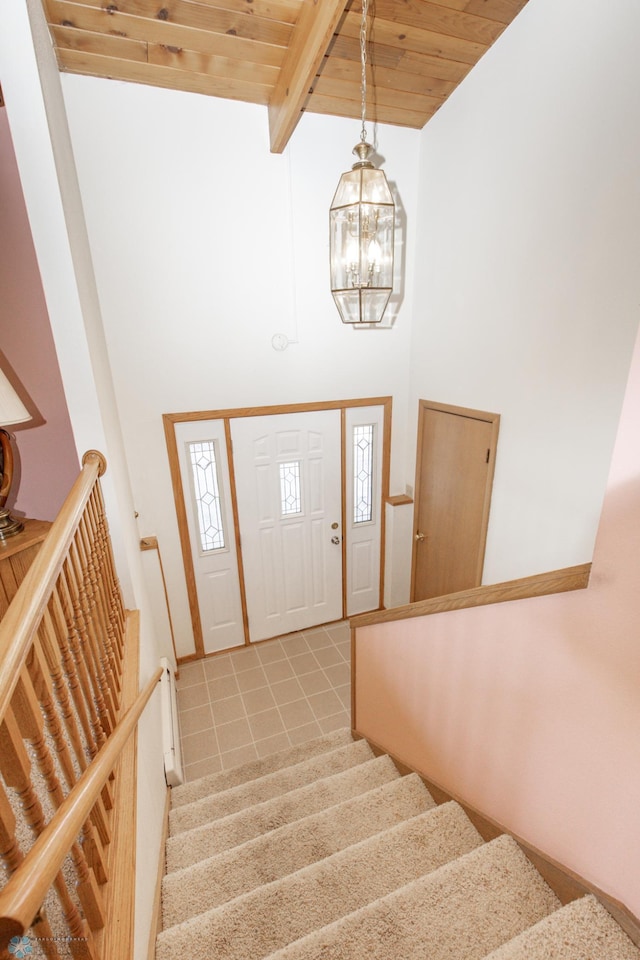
[{"x": 362, "y": 218}]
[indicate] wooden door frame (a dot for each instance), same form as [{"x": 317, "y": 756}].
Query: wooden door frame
[
  {"x": 486, "y": 417},
  {"x": 227, "y": 415}
]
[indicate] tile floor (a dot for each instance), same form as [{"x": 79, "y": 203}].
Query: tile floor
[{"x": 260, "y": 699}]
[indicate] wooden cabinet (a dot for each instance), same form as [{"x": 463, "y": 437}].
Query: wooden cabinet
[{"x": 16, "y": 556}]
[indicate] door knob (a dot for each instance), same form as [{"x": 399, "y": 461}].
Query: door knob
[
  {"x": 335, "y": 540},
  {"x": 420, "y": 536}
]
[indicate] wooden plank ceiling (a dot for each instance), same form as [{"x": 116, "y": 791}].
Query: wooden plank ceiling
[{"x": 290, "y": 55}]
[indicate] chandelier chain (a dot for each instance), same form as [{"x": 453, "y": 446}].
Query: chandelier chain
[{"x": 363, "y": 62}]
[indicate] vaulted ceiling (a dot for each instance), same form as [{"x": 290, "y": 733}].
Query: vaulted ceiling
[{"x": 290, "y": 55}]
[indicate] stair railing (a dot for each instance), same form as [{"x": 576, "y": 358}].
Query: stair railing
[{"x": 63, "y": 652}]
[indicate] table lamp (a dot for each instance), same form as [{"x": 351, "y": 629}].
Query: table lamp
[{"x": 12, "y": 410}]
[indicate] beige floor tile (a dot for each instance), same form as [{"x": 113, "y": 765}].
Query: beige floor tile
[
  {"x": 328, "y": 656},
  {"x": 280, "y": 670},
  {"x": 224, "y": 711},
  {"x": 318, "y": 640},
  {"x": 339, "y": 674},
  {"x": 234, "y": 758},
  {"x": 266, "y": 724},
  {"x": 263, "y": 698},
  {"x": 345, "y": 650},
  {"x": 196, "y": 720},
  {"x": 307, "y": 732},
  {"x": 336, "y": 722},
  {"x": 257, "y": 700},
  {"x": 202, "y": 768},
  {"x": 325, "y": 704},
  {"x": 199, "y": 746},
  {"x": 245, "y": 659},
  {"x": 339, "y": 632},
  {"x": 303, "y": 663},
  {"x": 233, "y": 735},
  {"x": 223, "y": 687},
  {"x": 190, "y": 673},
  {"x": 286, "y": 691},
  {"x": 296, "y": 714},
  {"x": 314, "y": 682},
  {"x": 216, "y": 667},
  {"x": 272, "y": 745},
  {"x": 194, "y": 696},
  {"x": 251, "y": 679},
  {"x": 295, "y": 645},
  {"x": 270, "y": 651}
]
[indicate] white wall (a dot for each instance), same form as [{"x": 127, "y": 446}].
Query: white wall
[
  {"x": 527, "y": 286},
  {"x": 37, "y": 120},
  {"x": 206, "y": 245}
]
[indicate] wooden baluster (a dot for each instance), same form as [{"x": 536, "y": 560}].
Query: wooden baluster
[
  {"x": 95, "y": 558},
  {"x": 12, "y": 856},
  {"x": 42, "y": 685},
  {"x": 97, "y": 614},
  {"x": 99, "y": 686},
  {"x": 78, "y": 680},
  {"x": 50, "y": 647},
  {"x": 16, "y": 770},
  {"x": 109, "y": 568},
  {"x": 83, "y": 614},
  {"x": 90, "y": 692},
  {"x": 40, "y": 680},
  {"x": 30, "y": 722},
  {"x": 60, "y": 629}
]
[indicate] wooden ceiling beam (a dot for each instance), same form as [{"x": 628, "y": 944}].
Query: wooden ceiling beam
[{"x": 312, "y": 35}]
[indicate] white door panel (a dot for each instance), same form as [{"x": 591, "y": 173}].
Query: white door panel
[
  {"x": 292, "y": 570},
  {"x": 215, "y": 570}
]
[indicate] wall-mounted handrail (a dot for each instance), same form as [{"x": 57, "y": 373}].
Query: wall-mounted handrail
[{"x": 540, "y": 585}]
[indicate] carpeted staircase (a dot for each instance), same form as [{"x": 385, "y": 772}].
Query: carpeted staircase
[{"x": 324, "y": 852}]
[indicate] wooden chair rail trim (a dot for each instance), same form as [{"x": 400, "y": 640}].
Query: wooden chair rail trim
[
  {"x": 565, "y": 883},
  {"x": 21, "y": 898},
  {"x": 21, "y": 620},
  {"x": 540, "y": 585}
]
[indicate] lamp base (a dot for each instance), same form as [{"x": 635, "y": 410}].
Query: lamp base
[{"x": 9, "y": 526}]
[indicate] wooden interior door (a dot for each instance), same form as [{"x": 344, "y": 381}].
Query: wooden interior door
[{"x": 454, "y": 477}]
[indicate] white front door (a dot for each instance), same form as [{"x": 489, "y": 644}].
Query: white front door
[
  {"x": 288, "y": 488},
  {"x": 204, "y": 468}
]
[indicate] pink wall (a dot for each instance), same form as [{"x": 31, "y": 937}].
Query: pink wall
[
  {"x": 46, "y": 458},
  {"x": 530, "y": 710}
]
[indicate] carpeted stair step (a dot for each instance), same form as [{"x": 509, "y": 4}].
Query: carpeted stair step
[
  {"x": 583, "y": 930},
  {"x": 257, "y": 923},
  {"x": 222, "y": 804},
  {"x": 225, "y": 779},
  {"x": 213, "y": 838},
  {"x": 216, "y": 880},
  {"x": 462, "y": 911}
]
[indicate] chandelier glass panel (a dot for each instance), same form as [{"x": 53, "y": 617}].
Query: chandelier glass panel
[{"x": 362, "y": 219}]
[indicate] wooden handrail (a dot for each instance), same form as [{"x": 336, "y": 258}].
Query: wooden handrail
[
  {"x": 21, "y": 898},
  {"x": 21, "y": 620},
  {"x": 540, "y": 585}
]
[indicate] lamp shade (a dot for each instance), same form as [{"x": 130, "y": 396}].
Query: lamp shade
[
  {"x": 12, "y": 409},
  {"x": 362, "y": 219}
]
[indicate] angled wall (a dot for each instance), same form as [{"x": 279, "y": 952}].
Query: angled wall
[{"x": 529, "y": 710}]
